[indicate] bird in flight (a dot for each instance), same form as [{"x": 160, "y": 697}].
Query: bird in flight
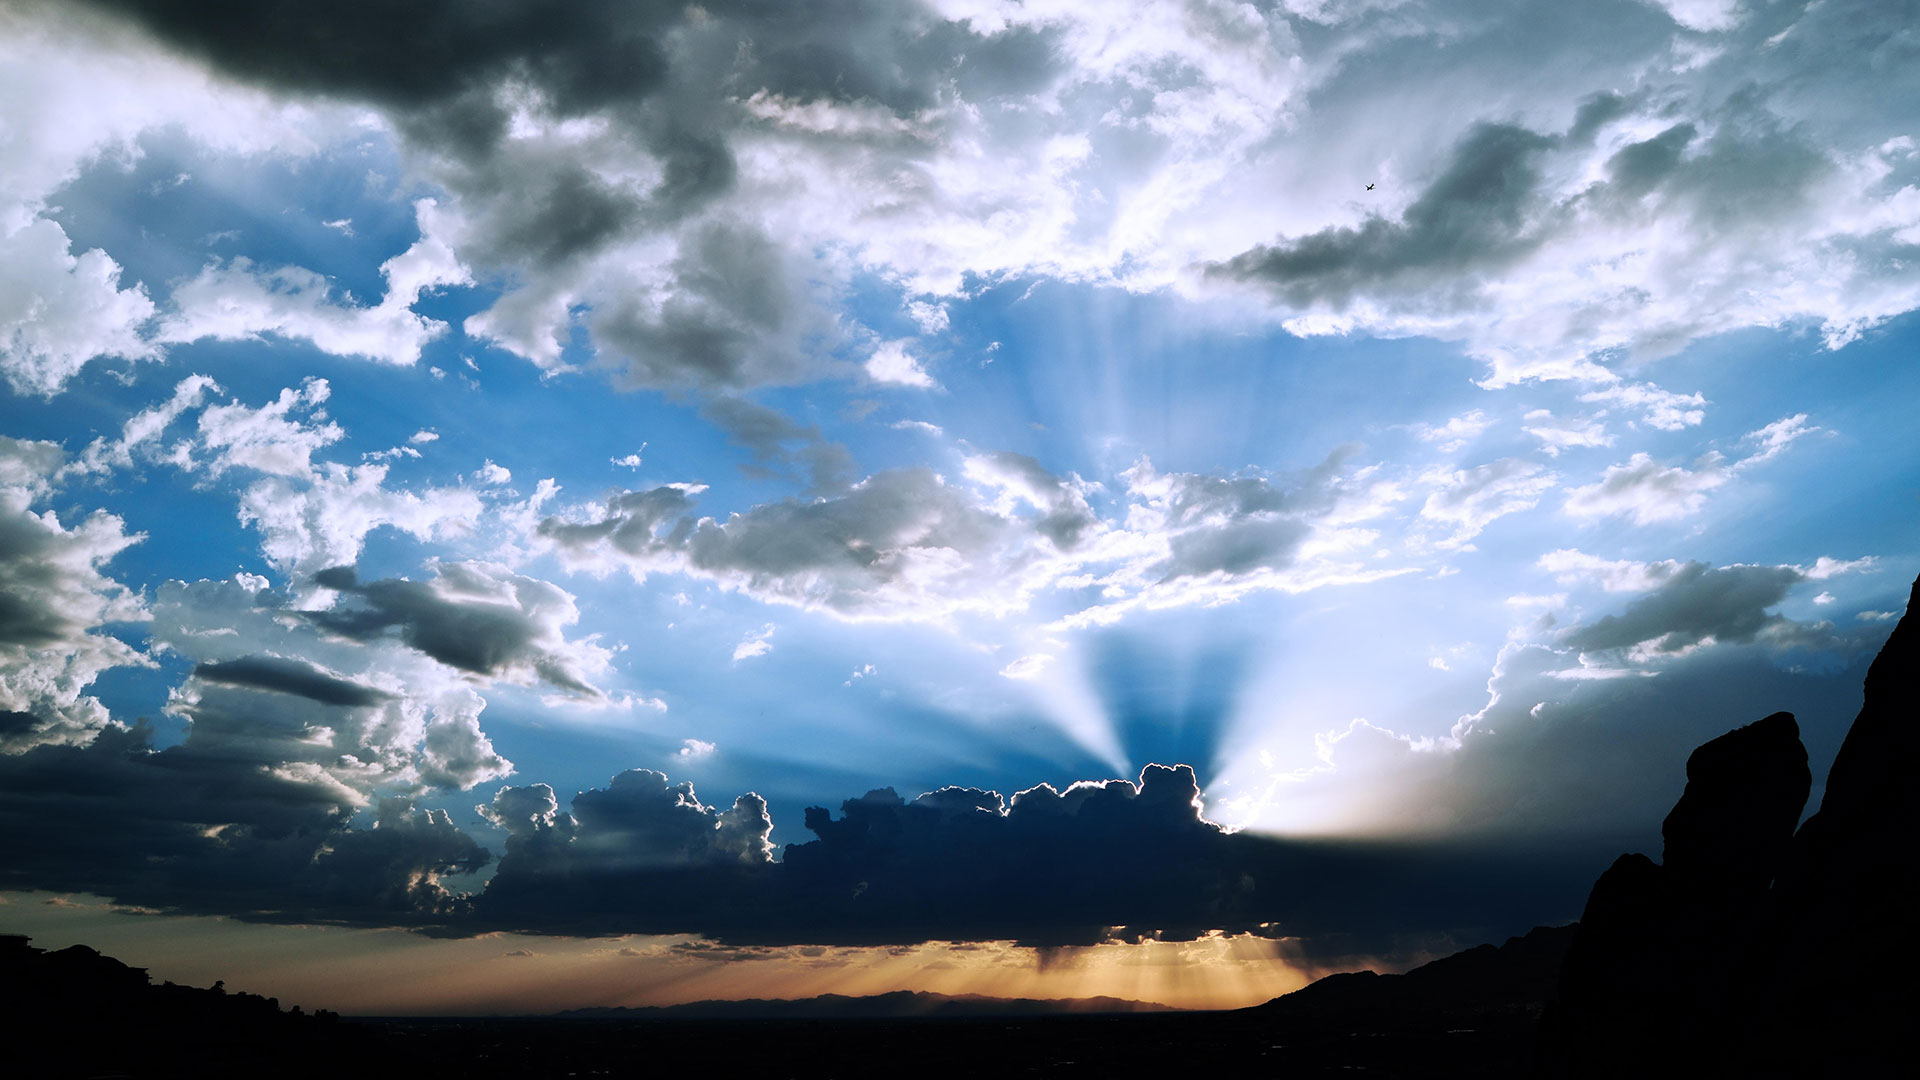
[{"x": 1369, "y": 187}]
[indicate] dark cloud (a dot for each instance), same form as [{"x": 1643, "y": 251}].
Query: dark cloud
[
  {"x": 1079, "y": 866},
  {"x": 582, "y": 54},
  {"x": 479, "y": 619},
  {"x": 1728, "y": 604},
  {"x": 1477, "y": 214},
  {"x": 211, "y": 827},
  {"x": 290, "y": 677}
]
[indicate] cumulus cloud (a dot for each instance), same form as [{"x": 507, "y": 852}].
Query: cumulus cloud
[
  {"x": 237, "y": 302},
  {"x": 322, "y": 520},
  {"x": 55, "y": 605},
  {"x": 59, "y": 310},
  {"x": 891, "y": 363},
  {"x": 223, "y": 825},
  {"x": 697, "y": 209},
  {"x": 1048, "y": 867},
  {"x": 1636, "y": 229},
  {"x": 73, "y": 95}
]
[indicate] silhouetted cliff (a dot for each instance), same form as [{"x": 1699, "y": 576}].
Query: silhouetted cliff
[{"x": 1753, "y": 950}]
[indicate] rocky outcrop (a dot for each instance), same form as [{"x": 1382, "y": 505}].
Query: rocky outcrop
[{"x": 1753, "y": 950}]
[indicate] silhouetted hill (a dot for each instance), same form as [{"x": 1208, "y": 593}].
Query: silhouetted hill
[
  {"x": 899, "y": 1003},
  {"x": 1752, "y": 949},
  {"x": 1518, "y": 978},
  {"x": 90, "y": 1015}
]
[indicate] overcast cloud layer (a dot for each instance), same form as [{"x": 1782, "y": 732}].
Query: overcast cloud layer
[{"x": 1387, "y": 435}]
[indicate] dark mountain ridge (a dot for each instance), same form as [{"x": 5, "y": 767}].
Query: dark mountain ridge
[{"x": 919, "y": 1004}]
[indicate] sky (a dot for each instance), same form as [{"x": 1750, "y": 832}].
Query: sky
[{"x": 513, "y": 506}]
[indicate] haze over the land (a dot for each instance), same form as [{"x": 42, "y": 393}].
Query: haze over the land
[{"x": 1202, "y": 493}]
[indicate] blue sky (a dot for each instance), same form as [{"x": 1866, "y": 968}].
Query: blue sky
[{"x": 1425, "y": 422}]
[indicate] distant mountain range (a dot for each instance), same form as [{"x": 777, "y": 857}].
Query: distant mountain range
[{"x": 915, "y": 1004}]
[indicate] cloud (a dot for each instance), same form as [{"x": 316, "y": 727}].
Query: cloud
[
  {"x": 55, "y": 603},
  {"x": 59, "y": 310},
  {"x": 1468, "y": 500},
  {"x": 266, "y": 439},
  {"x": 1613, "y": 575},
  {"x": 1696, "y": 604},
  {"x": 892, "y": 364},
  {"x": 1456, "y": 433},
  {"x": 236, "y": 302},
  {"x": 907, "y": 544},
  {"x": 1639, "y": 229},
  {"x": 1477, "y": 215},
  {"x": 754, "y": 644},
  {"x": 1660, "y": 408},
  {"x": 1048, "y": 867},
  {"x": 1028, "y": 666},
  {"x": 1566, "y": 433},
  {"x": 322, "y": 520},
  {"x": 1774, "y": 439},
  {"x": 223, "y": 825},
  {"x": 780, "y": 443},
  {"x": 475, "y": 617},
  {"x": 146, "y": 428},
  {"x": 295, "y": 677},
  {"x": 1647, "y": 491}
]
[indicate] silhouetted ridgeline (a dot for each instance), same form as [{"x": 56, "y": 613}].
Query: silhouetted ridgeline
[
  {"x": 1753, "y": 950},
  {"x": 77, "y": 1013}
]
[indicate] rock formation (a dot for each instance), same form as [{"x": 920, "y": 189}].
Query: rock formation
[{"x": 1752, "y": 950}]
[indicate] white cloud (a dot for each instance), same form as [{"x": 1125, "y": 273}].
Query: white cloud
[
  {"x": 1648, "y": 492},
  {"x": 268, "y": 439},
  {"x": 1565, "y": 433},
  {"x": 59, "y": 310},
  {"x": 1826, "y": 567},
  {"x": 423, "y": 436},
  {"x": 146, "y": 428},
  {"x": 321, "y": 520},
  {"x": 1456, "y": 433},
  {"x": 696, "y": 748},
  {"x": 754, "y": 644},
  {"x": 891, "y": 363},
  {"x": 237, "y": 302},
  {"x": 1468, "y": 500},
  {"x": 1027, "y": 667},
  {"x": 1774, "y": 439},
  {"x": 1659, "y": 408},
  {"x": 492, "y": 475}
]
